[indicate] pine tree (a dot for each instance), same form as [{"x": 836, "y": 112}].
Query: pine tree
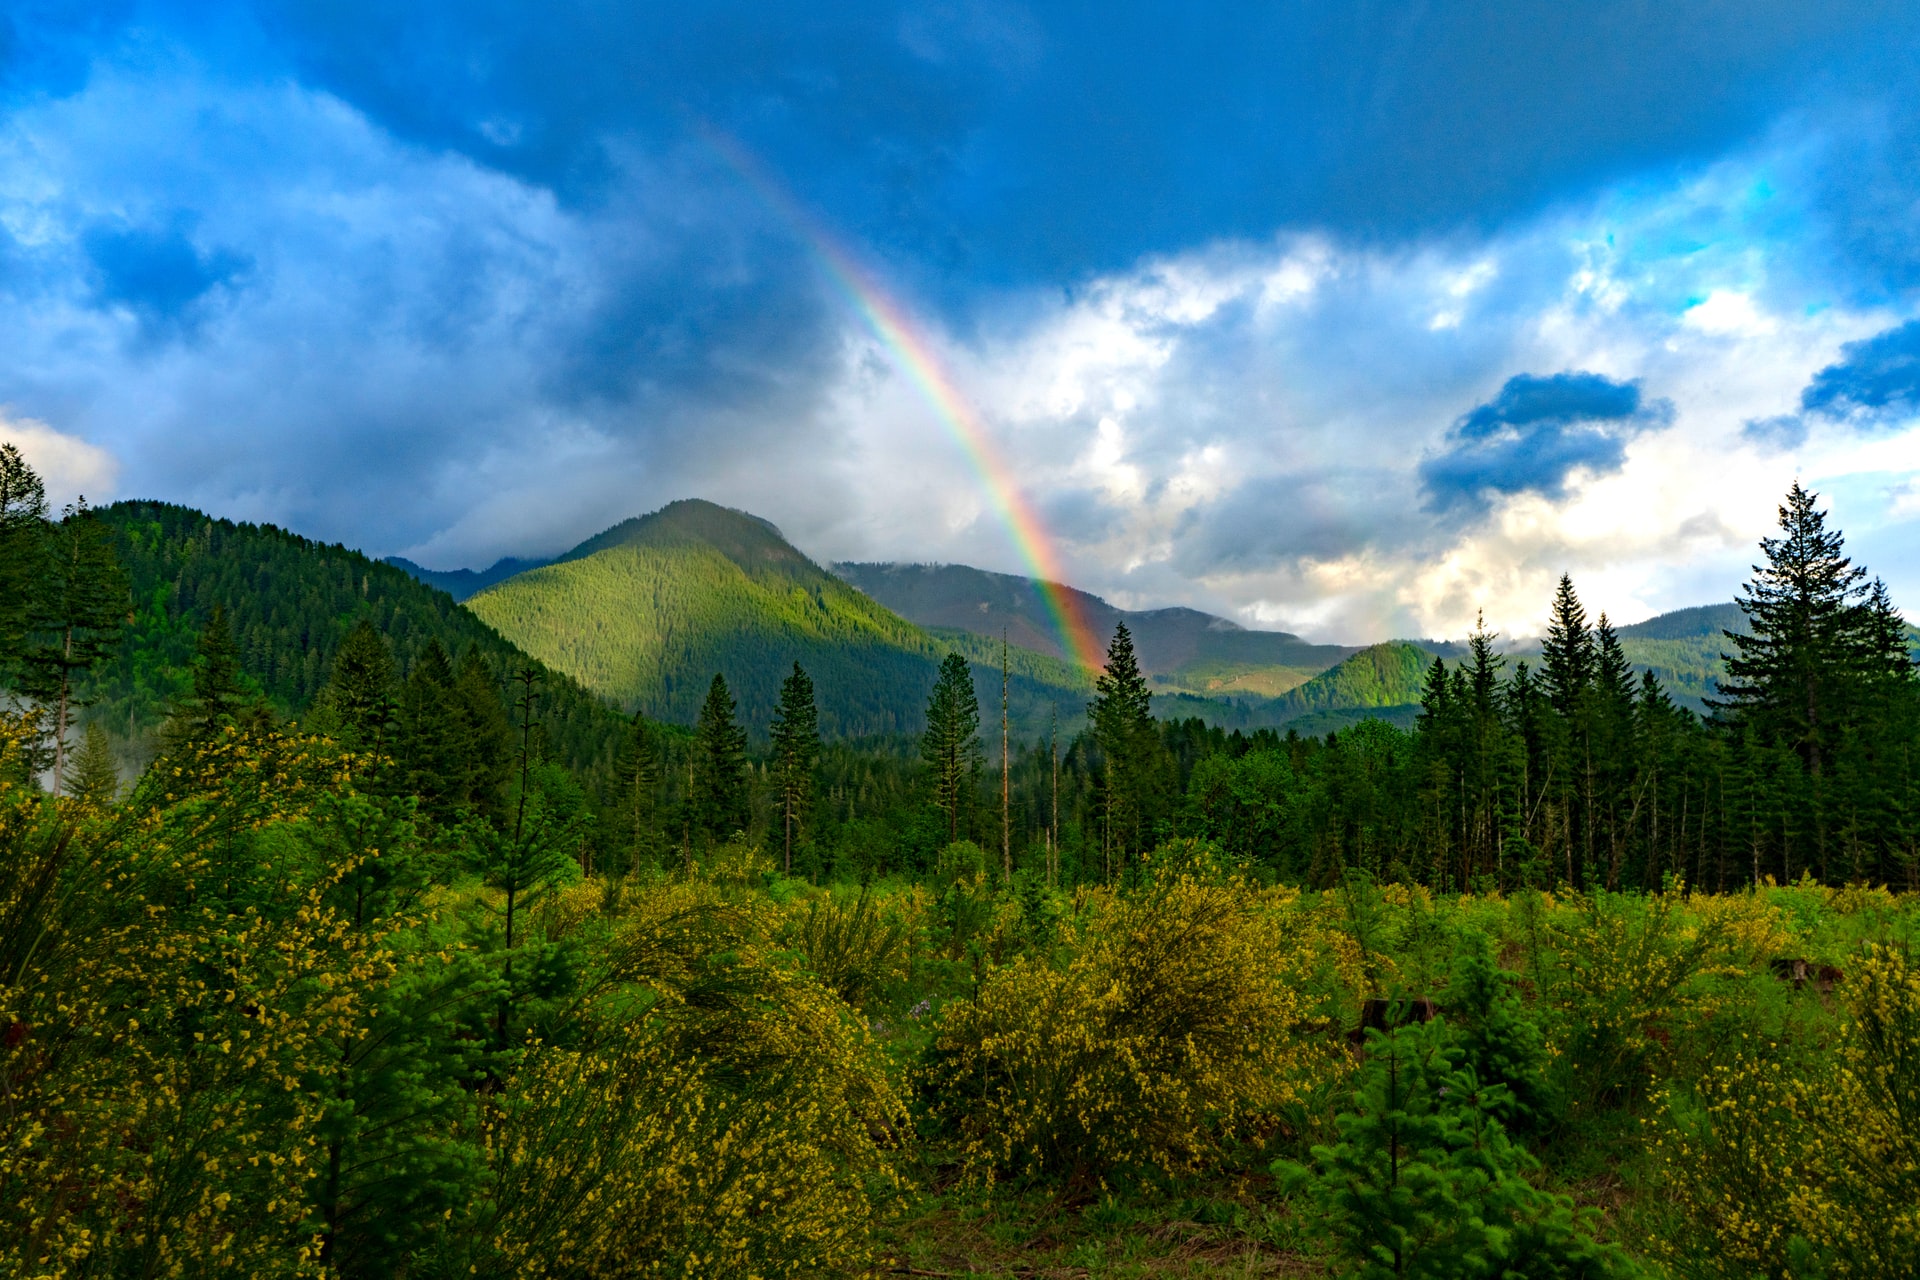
[
  {"x": 1425, "y": 1182},
  {"x": 94, "y": 779},
  {"x": 429, "y": 734},
  {"x": 23, "y": 552},
  {"x": 1567, "y": 658},
  {"x": 951, "y": 743},
  {"x": 219, "y": 696},
  {"x": 639, "y": 782},
  {"x": 795, "y": 735},
  {"x": 75, "y": 618},
  {"x": 1803, "y": 672},
  {"x": 482, "y": 737},
  {"x": 720, "y": 800},
  {"x": 361, "y": 700},
  {"x": 1121, "y": 716}
]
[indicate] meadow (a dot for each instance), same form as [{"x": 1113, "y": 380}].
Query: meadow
[{"x": 262, "y": 1021}]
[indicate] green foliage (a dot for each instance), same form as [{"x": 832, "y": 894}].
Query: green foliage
[
  {"x": 290, "y": 603},
  {"x": 950, "y": 746},
  {"x": 1498, "y": 1041},
  {"x": 854, "y": 948},
  {"x": 795, "y": 740},
  {"x": 1425, "y": 1182},
  {"x": 717, "y": 787}
]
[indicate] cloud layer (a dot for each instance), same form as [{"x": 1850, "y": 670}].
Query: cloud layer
[{"x": 1351, "y": 321}]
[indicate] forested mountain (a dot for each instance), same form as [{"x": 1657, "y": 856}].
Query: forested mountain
[
  {"x": 648, "y": 611},
  {"x": 1178, "y": 648},
  {"x": 461, "y": 583},
  {"x": 290, "y": 601}
]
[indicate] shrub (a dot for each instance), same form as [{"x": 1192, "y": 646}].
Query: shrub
[
  {"x": 1807, "y": 1167},
  {"x": 721, "y": 1116},
  {"x": 1424, "y": 1181},
  {"x": 1496, "y": 1038},
  {"x": 854, "y": 949},
  {"x": 1165, "y": 1032}
]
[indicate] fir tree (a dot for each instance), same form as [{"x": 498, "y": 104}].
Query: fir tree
[
  {"x": 220, "y": 696},
  {"x": 75, "y": 618},
  {"x": 1425, "y": 1181},
  {"x": 795, "y": 735},
  {"x": 951, "y": 744},
  {"x": 481, "y": 739},
  {"x": 361, "y": 700},
  {"x": 1798, "y": 678},
  {"x": 23, "y": 549},
  {"x": 720, "y": 801},
  {"x": 1121, "y": 717},
  {"x": 428, "y": 751},
  {"x": 639, "y": 782},
  {"x": 1567, "y": 658},
  {"x": 93, "y": 778}
]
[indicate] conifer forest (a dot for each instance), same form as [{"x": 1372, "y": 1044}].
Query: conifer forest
[{"x": 341, "y": 937}]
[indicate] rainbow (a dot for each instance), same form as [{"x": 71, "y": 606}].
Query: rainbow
[{"x": 914, "y": 356}]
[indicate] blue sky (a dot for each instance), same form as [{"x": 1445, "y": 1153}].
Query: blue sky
[{"x": 1353, "y": 319}]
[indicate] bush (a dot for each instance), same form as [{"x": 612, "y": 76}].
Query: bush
[
  {"x": 1426, "y": 1183},
  {"x": 1165, "y": 1032},
  {"x": 721, "y": 1116},
  {"x": 854, "y": 949},
  {"x": 1808, "y": 1167}
]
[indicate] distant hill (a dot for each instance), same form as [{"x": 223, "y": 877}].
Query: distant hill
[
  {"x": 646, "y": 612},
  {"x": 1181, "y": 649},
  {"x": 1381, "y": 677},
  {"x": 290, "y": 601},
  {"x": 461, "y": 583}
]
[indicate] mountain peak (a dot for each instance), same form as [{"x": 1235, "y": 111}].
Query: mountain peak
[{"x": 744, "y": 538}]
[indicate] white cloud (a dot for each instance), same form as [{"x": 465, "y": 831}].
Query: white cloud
[{"x": 70, "y": 467}]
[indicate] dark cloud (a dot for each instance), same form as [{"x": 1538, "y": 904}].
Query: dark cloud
[
  {"x": 1071, "y": 138},
  {"x": 157, "y": 273},
  {"x": 1875, "y": 379},
  {"x": 1533, "y": 435}
]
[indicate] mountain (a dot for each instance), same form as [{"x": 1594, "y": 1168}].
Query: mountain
[
  {"x": 290, "y": 601},
  {"x": 462, "y": 583},
  {"x": 1180, "y": 649},
  {"x": 646, "y": 612}
]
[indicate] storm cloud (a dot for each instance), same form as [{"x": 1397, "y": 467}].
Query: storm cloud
[
  {"x": 1313, "y": 316},
  {"x": 1534, "y": 435}
]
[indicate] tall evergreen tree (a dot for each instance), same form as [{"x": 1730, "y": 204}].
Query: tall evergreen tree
[
  {"x": 639, "y": 783},
  {"x": 1798, "y": 677},
  {"x": 720, "y": 801},
  {"x": 482, "y": 737},
  {"x": 93, "y": 779},
  {"x": 76, "y": 619},
  {"x": 795, "y": 734},
  {"x": 219, "y": 696},
  {"x": 361, "y": 701},
  {"x": 429, "y": 749},
  {"x": 1567, "y": 657},
  {"x": 951, "y": 743},
  {"x": 23, "y": 528},
  {"x": 1121, "y": 716}
]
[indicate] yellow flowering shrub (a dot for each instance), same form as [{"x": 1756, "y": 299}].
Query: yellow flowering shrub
[
  {"x": 1809, "y": 1167},
  {"x": 166, "y": 1037},
  {"x": 1167, "y": 1030},
  {"x": 721, "y": 1115},
  {"x": 1637, "y": 972}
]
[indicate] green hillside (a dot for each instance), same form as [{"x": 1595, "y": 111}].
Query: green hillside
[
  {"x": 1384, "y": 679},
  {"x": 648, "y": 611},
  {"x": 289, "y": 600},
  {"x": 1180, "y": 649}
]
